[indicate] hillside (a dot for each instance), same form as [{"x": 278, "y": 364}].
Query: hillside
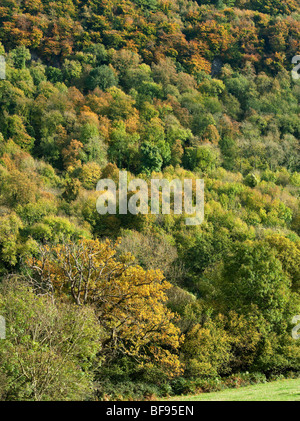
[{"x": 117, "y": 306}]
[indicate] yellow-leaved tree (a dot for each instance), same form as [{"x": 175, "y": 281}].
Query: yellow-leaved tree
[{"x": 130, "y": 302}]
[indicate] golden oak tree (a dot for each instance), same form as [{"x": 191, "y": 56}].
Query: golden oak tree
[{"x": 129, "y": 301}]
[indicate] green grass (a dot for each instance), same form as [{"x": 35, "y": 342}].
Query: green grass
[{"x": 281, "y": 390}]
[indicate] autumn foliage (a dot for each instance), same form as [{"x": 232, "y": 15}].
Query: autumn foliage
[{"x": 129, "y": 301}]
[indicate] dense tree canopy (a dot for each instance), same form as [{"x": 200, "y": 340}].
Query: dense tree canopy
[{"x": 172, "y": 89}]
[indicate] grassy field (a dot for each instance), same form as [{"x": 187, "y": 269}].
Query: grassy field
[{"x": 281, "y": 390}]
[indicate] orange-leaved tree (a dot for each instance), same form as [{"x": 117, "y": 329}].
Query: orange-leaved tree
[{"x": 129, "y": 301}]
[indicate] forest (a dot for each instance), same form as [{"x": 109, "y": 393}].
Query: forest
[{"x": 139, "y": 307}]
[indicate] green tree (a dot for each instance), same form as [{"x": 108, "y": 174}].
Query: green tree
[
  {"x": 151, "y": 159},
  {"x": 50, "y": 349},
  {"x": 104, "y": 77},
  {"x": 253, "y": 276}
]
